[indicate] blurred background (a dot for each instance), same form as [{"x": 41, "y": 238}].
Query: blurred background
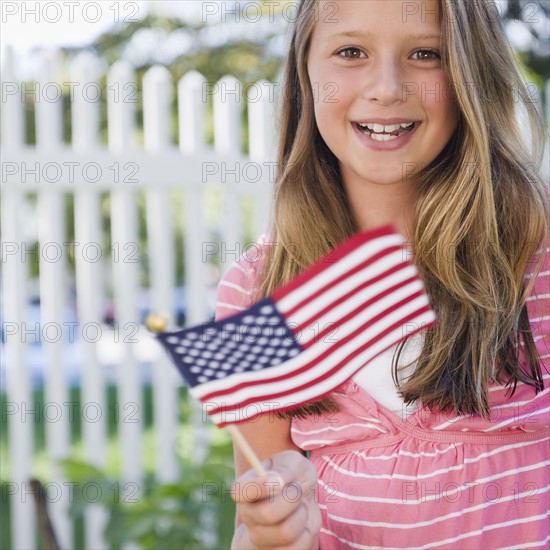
[{"x": 137, "y": 143}]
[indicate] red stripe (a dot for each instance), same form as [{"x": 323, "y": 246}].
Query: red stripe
[
  {"x": 331, "y": 349},
  {"x": 324, "y": 263},
  {"x": 332, "y": 283},
  {"x": 361, "y": 306},
  {"x": 330, "y": 373},
  {"x": 330, "y": 328}
]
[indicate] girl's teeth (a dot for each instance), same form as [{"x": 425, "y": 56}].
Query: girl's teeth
[
  {"x": 387, "y": 129},
  {"x": 381, "y": 132},
  {"x": 382, "y": 137}
]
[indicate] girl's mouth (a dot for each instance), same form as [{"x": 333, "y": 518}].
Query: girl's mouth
[{"x": 380, "y": 132}]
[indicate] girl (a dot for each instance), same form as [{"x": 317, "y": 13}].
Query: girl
[{"x": 403, "y": 112}]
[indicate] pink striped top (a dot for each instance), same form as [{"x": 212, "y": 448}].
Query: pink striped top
[{"x": 432, "y": 480}]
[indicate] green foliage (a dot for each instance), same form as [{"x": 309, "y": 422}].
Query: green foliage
[
  {"x": 171, "y": 516},
  {"x": 245, "y": 59},
  {"x": 195, "y": 512}
]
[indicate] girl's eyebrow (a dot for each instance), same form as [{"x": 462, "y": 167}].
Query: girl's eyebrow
[{"x": 366, "y": 34}]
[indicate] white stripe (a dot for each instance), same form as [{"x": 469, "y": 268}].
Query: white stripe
[
  {"x": 497, "y": 388},
  {"x": 490, "y": 527},
  {"x": 400, "y": 453},
  {"x": 304, "y": 444},
  {"x": 354, "y": 301},
  {"x": 438, "y": 519},
  {"x": 349, "y": 543},
  {"x": 503, "y": 406},
  {"x": 229, "y": 306},
  {"x": 368, "y": 419},
  {"x": 362, "y": 475},
  {"x": 515, "y": 419},
  {"x": 342, "y": 266},
  {"x": 323, "y": 386},
  {"x": 541, "y": 274},
  {"x": 438, "y": 496},
  {"x": 238, "y": 288},
  {"x": 539, "y": 319},
  {"x": 349, "y": 283},
  {"x": 511, "y": 404},
  {"x": 248, "y": 271},
  {"x": 534, "y": 544},
  {"x": 339, "y": 429},
  {"x": 538, "y": 297},
  {"x": 394, "y": 475},
  {"x": 537, "y": 544},
  {"x": 239, "y": 267},
  {"x": 452, "y": 421},
  {"x": 351, "y": 325}
]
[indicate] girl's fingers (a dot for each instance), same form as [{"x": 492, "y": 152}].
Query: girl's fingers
[
  {"x": 269, "y": 511},
  {"x": 249, "y": 488},
  {"x": 279, "y": 508},
  {"x": 294, "y": 466},
  {"x": 285, "y": 533},
  {"x": 284, "y": 468},
  {"x": 314, "y": 521}
]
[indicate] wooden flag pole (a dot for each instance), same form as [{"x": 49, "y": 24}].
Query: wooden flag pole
[
  {"x": 246, "y": 449},
  {"x": 157, "y": 323}
]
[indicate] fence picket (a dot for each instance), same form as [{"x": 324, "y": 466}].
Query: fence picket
[
  {"x": 12, "y": 125},
  {"x": 157, "y": 100},
  {"x": 191, "y": 112},
  {"x": 89, "y": 275},
  {"x": 14, "y": 301},
  {"x": 228, "y": 143},
  {"x": 547, "y": 99},
  {"x": 121, "y": 98},
  {"x": 227, "y": 116},
  {"x": 546, "y": 157},
  {"x": 192, "y": 115},
  {"x": 261, "y": 131},
  {"x": 191, "y": 131},
  {"x": 53, "y": 287},
  {"x": 18, "y": 383},
  {"x": 125, "y": 243}
]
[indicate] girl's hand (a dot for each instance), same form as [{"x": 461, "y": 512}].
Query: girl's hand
[{"x": 279, "y": 510}]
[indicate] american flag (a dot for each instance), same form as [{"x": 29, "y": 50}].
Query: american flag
[{"x": 309, "y": 336}]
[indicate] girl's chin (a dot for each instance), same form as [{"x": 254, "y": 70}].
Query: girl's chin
[
  {"x": 378, "y": 174},
  {"x": 385, "y": 179}
]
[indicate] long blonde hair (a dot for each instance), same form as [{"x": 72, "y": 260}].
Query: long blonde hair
[{"x": 472, "y": 253}]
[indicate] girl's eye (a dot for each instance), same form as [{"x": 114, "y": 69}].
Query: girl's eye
[
  {"x": 426, "y": 55},
  {"x": 350, "y": 53}
]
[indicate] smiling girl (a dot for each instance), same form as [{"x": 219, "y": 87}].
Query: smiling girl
[{"x": 443, "y": 441}]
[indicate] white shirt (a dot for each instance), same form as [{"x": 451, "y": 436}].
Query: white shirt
[{"x": 376, "y": 378}]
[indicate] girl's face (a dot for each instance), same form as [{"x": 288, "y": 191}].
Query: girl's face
[{"x": 383, "y": 103}]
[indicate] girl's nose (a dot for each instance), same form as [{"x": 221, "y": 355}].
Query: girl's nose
[{"x": 384, "y": 82}]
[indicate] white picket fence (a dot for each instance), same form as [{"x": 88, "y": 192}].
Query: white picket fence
[
  {"x": 85, "y": 170},
  {"x": 125, "y": 171}
]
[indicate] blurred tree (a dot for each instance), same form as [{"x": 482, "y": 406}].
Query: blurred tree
[
  {"x": 182, "y": 46},
  {"x": 527, "y": 24},
  {"x": 251, "y": 49}
]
